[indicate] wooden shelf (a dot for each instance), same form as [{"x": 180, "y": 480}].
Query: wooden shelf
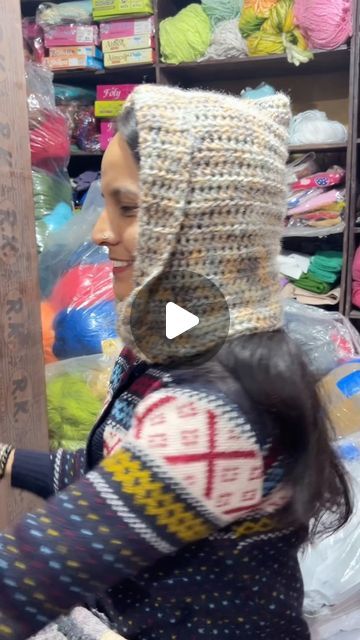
[
  {"x": 257, "y": 67},
  {"x": 355, "y": 314},
  {"x": 321, "y": 148},
  {"x": 121, "y": 74}
]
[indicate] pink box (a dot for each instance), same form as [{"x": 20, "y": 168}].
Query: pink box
[
  {"x": 107, "y": 132},
  {"x": 114, "y": 91},
  {"x": 70, "y": 35},
  {"x": 127, "y": 28}
]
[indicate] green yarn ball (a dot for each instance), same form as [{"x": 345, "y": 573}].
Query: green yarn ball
[
  {"x": 72, "y": 411},
  {"x": 220, "y": 10},
  {"x": 185, "y": 37}
]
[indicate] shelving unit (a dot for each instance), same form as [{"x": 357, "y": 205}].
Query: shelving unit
[{"x": 330, "y": 83}]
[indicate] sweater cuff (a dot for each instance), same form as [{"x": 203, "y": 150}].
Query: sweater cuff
[{"x": 33, "y": 471}]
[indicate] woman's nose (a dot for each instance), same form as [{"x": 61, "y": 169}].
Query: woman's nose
[{"x": 103, "y": 233}]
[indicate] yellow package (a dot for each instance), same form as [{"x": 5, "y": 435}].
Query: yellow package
[
  {"x": 127, "y": 44},
  {"x": 123, "y": 58},
  {"x": 110, "y": 8},
  {"x": 108, "y": 108}
]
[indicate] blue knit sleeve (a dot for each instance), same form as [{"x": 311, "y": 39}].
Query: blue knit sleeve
[
  {"x": 44, "y": 474},
  {"x": 146, "y": 501}
]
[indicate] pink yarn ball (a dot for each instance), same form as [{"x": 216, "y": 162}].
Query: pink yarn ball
[
  {"x": 325, "y": 24},
  {"x": 83, "y": 286}
]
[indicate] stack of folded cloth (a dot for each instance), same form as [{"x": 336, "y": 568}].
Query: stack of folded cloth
[{"x": 312, "y": 280}]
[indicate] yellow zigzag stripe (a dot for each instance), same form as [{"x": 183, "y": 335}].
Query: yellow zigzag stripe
[
  {"x": 156, "y": 499},
  {"x": 249, "y": 528}
]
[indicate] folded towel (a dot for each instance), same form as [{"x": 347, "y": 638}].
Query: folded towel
[
  {"x": 327, "y": 261},
  {"x": 311, "y": 283}
]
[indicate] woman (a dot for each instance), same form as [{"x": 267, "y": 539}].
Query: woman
[{"x": 201, "y": 481}]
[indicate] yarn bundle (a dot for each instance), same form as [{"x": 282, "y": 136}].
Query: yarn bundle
[
  {"x": 356, "y": 279},
  {"x": 220, "y": 29},
  {"x": 314, "y": 127},
  {"x": 270, "y": 29},
  {"x": 326, "y": 24}
]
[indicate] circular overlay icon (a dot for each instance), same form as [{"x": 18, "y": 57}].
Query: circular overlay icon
[{"x": 179, "y": 317}]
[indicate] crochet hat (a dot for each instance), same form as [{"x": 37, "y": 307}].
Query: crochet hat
[{"x": 213, "y": 200}]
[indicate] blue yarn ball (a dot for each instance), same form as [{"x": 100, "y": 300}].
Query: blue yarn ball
[{"x": 80, "y": 332}]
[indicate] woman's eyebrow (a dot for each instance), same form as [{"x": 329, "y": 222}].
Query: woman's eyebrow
[{"x": 123, "y": 192}]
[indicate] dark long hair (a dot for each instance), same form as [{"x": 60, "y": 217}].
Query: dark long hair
[{"x": 267, "y": 376}]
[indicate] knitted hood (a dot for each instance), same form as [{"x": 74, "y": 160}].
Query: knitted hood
[{"x": 213, "y": 201}]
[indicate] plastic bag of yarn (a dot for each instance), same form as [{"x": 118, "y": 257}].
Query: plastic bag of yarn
[
  {"x": 314, "y": 127},
  {"x": 226, "y": 42},
  {"x": 65, "y": 93},
  {"x": 82, "y": 286},
  {"x": 327, "y": 339},
  {"x": 76, "y": 391},
  {"x": 222, "y": 10},
  {"x": 341, "y": 391},
  {"x": 33, "y": 40},
  {"x": 50, "y": 189},
  {"x": 71, "y": 245},
  {"x": 185, "y": 37},
  {"x": 85, "y": 133},
  {"x": 76, "y": 11},
  {"x": 48, "y": 334},
  {"x": 81, "y": 332},
  {"x": 263, "y": 90},
  {"x": 51, "y": 223},
  {"x": 326, "y": 24}
]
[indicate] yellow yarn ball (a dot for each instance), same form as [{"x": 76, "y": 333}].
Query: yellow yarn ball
[
  {"x": 249, "y": 22},
  {"x": 185, "y": 37}
]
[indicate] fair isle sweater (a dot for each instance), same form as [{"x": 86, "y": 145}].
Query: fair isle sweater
[{"x": 170, "y": 529}]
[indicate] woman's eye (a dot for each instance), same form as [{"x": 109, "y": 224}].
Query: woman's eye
[{"x": 129, "y": 210}]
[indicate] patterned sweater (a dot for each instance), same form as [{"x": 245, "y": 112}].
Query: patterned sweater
[{"x": 173, "y": 535}]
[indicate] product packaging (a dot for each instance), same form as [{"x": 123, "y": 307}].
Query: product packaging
[
  {"x": 124, "y": 58},
  {"x": 71, "y": 35},
  {"x": 71, "y": 52},
  {"x": 103, "y": 9},
  {"x": 127, "y": 28},
  {"x": 128, "y": 44},
  {"x": 108, "y": 108},
  {"x": 74, "y": 62},
  {"x": 114, "y": 91},
  {"x": 75, "y": 11},
  {"x": 107, "y": 132}
]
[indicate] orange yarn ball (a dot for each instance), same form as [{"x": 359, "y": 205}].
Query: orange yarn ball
[{"x": 48, "y": 334}]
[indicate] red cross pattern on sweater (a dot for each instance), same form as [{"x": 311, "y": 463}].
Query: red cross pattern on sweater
[{"x": 210, "y": 452}]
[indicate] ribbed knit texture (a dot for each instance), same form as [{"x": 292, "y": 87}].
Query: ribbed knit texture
[
  {"x": 174, "y": 535},
  {"x": 213, "y": 201}
]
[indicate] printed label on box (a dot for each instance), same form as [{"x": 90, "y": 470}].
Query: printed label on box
[
  {"x": 141, "y": 56},
  {"x": 114, "y": 91},
  {"x": 127, "y": 44},
  {"x": 108, "y": 109}
]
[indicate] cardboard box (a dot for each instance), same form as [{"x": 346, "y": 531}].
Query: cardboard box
[
  {"x": 128, "y": 44},
  {"x": 103, "y": 9},
  {"x": 73, "y": 62},
  {"x": 65, "y": 52},
  {"x": 114, "y": 91},
  {"x": 125, "y": 58},
  {"x": 127, "y": 28},
  {"x": 108, "y": 108},
  {"x": 71, "y": 35}
]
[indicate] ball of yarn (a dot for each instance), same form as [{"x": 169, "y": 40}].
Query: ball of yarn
[
  {"x": 59, "y": 217},
  {"x": 314, "y": 127},
  {"x": 48, "y": 334},
  {"x": 220, "y": 10},
  {"x": 227, "y": 42},
  {"x": 326, "y": 24},
  {"x": 80, "y": 332},
  {"x": 83, "y": 286},
  {"x": 72, "y": 411},
  {"x": 186, "y": 36}
]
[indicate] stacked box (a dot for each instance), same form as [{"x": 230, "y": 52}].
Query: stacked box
[
  {"x": 110, "y": 100},
  {"x": 73, "y": 47},
  {"x": 107, "y": 9},
  {"x": 125, "y": 58},
  {"x": 127, "y": 28}
]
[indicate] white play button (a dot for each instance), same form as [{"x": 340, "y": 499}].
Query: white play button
[{"x": 178, "y": 320}]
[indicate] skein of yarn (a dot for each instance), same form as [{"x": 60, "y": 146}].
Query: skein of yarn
[
  {"x": 314, "y": 127},
  {"x": 185, "y": 37},
  {"x": 227, "y": 42},
  {"x": 326, "y": 24},
  {"x": 220, "y": 10}
]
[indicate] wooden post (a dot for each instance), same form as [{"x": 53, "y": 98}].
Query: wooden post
[{"x": 22, "y": 386}]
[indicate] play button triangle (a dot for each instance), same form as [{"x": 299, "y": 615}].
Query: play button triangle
[{"x": 178, "y": 320}]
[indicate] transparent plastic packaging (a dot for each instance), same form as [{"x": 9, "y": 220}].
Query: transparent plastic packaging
[
  {"x": 76, "y": 392},
  {"x": 33, "y": 37},
  {"x": 331, "y": 567},
  {"x": 77, "y": 12},
  {"x": 76, "y": 280},
  {"x": 328, "y": 339}
]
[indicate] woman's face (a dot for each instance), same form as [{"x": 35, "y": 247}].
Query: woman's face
[{"x": 117, "y": 226}]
